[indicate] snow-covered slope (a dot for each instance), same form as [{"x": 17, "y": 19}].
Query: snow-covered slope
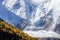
[
  {"x": 11, "y": 16},
  {"x": 32, "y": 15},
  {"x": 16, "y": 6}
]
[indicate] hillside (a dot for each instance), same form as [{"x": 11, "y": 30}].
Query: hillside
[{"x": 9, "y": 32}]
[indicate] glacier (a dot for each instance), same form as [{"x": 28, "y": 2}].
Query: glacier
[{"x": 32, "y": 16}]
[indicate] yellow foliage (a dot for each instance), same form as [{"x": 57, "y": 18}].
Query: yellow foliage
[{"x": 11, "y": 29}]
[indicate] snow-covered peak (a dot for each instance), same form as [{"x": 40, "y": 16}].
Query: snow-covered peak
[{"x": 34, "y": 15}]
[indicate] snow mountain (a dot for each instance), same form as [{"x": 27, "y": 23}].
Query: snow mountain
[{"x": 31, "y": 15}]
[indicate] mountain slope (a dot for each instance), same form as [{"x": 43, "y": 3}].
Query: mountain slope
[{"x": 9, "y": 32}]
